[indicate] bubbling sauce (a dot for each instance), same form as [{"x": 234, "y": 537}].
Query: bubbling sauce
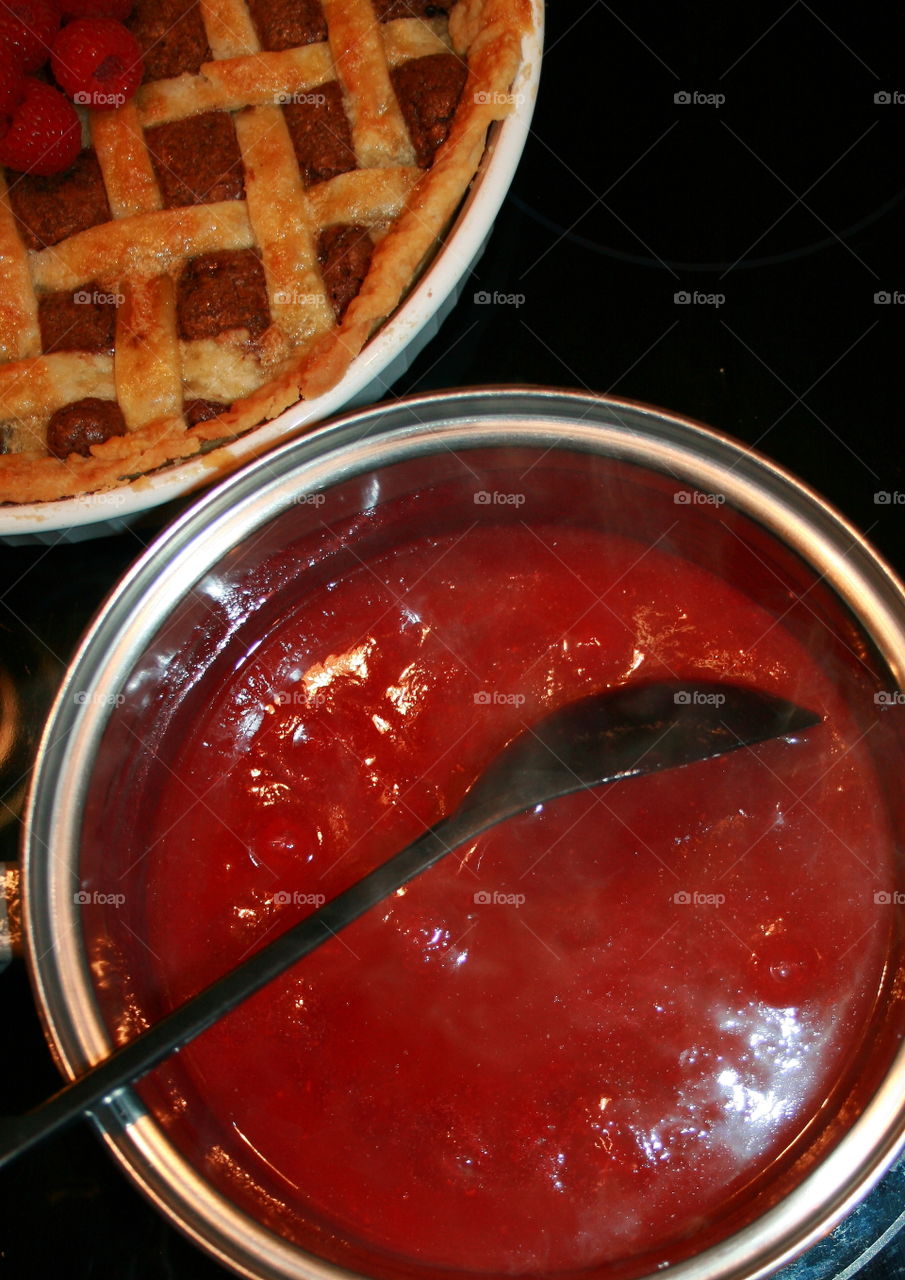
[{"x": 582, "y": 1037}]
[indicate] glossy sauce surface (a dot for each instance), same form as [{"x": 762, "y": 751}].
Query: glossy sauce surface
[{"x": 579, "y": 1037}]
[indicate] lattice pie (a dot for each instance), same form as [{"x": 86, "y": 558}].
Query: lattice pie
[{"x": 227, "y": 241}]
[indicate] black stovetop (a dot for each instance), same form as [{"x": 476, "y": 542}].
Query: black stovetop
[{"x": 709, "y": 217}]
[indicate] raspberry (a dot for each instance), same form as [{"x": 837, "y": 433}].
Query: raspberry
[
  {"x": 118, "y": 9},
  {"x": 98, "y": 62},
  {"x": 44, "y": 135},
  {"x": 27, "y": 30},
  {"x": 12, "y": 87}
]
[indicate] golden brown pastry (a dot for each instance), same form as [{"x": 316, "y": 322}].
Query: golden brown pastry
[{"x": 227, "y": 241}]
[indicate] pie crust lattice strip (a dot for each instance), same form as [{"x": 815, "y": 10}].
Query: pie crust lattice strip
[{"x": 228, "y": 240}]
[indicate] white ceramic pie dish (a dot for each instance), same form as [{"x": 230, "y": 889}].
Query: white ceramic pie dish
[{"x": 369, "y": 377}]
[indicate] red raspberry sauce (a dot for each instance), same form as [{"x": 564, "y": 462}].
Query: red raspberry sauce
[{"x": 581, "y": 1036}]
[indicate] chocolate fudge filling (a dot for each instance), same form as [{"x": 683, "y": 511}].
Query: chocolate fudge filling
[
  {"x": 171, "y": 35},
  {"x": 285, "y": 24},
  {"x": 49, "y": 210},
  {"x": 428, "y": 90},
  {"x": 390, "y": 10},
  {"x": 197, "y": 160},
  {"x": 344, "y": 251},
  {"x": 77, "y": 426},
  {"x": 221, "y": 291},
  {"x": 320, "y": 134},
  {"x": 196, "y": 411},
  {"x": 81, "y": 321}
]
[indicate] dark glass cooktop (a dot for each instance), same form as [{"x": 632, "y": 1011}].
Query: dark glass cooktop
[{"x": 709, "y": 217}]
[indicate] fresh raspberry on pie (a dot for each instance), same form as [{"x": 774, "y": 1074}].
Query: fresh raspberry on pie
[
  {"x": 98, "y": 62},
  {"x": 27, "y": 31},
  {"x": 44, "y": 136},
  {"x": 118, "y": 9}
]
